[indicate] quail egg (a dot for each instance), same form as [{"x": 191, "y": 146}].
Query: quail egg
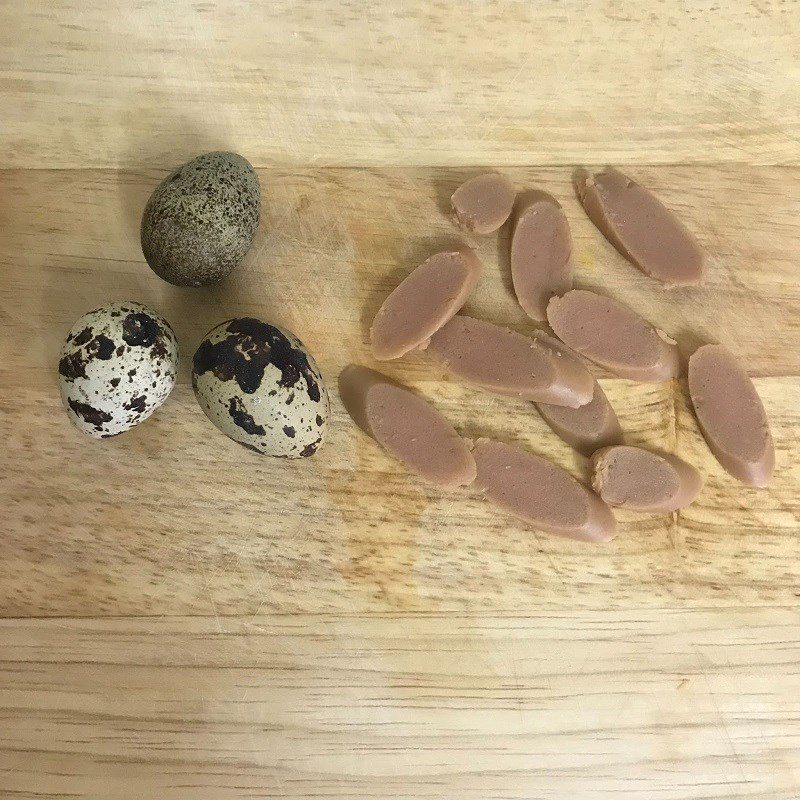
[
  {"x": 200, "y": 221},
  {"x": 117, "y": 367},
  {"x": 261, "y": 387}
]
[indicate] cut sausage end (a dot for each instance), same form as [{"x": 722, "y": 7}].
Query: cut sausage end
[
  {"x": 640, "y": 227},
  {"x": 506, "y": 362},
  {"x": 587, "y": 428},
  {"x": 541, "y": 493},
  {"x": 541, "y": 245},
  {"x": 612, "y": 335},
  {"x": 407, "y": 427},
  {"x": 483, "y": 203},
  {"x": 642, "y": 480},
  {"x": 430, "y": 296},
  {"x": 731, "y": 415}
]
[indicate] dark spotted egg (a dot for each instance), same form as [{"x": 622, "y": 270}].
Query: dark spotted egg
[
  {"x": 117, "y": 367},
  {"x": 200, "y": 222},
  {"x": 261, "y": 387}
]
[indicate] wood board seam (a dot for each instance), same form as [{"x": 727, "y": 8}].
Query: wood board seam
[
  {"x": 386, "y": 166},
  {"x": 506, "y": 614}
]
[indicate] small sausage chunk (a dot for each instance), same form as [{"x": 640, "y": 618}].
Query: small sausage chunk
[
  {"x": 407, "y": 427},
  {"x": 731, "y": 415},
  {"x": 506, "y": 362},
  {"x": 541, "y": 245},
  {"x": 430, "y": 296},
  {"x": 541, "y": 493},
  {"x": 587, "y": 428},
  {"x": 640, "y": 227},
  {"x": 483, "y": 203},
  {"x": 612, "y": 335},
  {"x": 639, "y": 479}
]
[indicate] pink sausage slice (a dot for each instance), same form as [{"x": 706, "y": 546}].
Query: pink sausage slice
[
  {"x": 640, "y": 227},
  {"x": 407, "y": 427},
  {"x": 731, "y": 415},
  {"x": 483, "y": 203},
  {"x": 639, "y": 479},
  {"x": 540, "y": 493},
  {"x": 612, "y": 335},
  {"x": 541, "y": 245},
  {"x": 508, "y": 363},
  {"x": 423, "y": 302},
  {"x": 587, "y": 428}
]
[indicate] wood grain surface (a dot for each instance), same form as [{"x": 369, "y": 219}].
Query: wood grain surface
[
  {"x": 648, "y": 704},
  {"x": 181, "y": 618},
  {"x": 115, "y": 83}
]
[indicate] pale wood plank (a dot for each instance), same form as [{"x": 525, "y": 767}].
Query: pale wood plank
[
  {"x": 121, "y": 84},
  {"x": 679, "y": 705},
  {"x": 173, "y": 518},
  {"x": 462, "y": 656},
  {"x": 340, "y": 239}
]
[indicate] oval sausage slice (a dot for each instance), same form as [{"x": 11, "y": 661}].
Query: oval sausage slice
[
  {"x": 639, "y": 479},
  {"x": 640, "y": 227},
  {"x": 483, "y": 203},
  {"x": 407, "y": 427},
  {"x": 541, "y": 245},
  {"x": 587, "y": 428},
  {"x": 731, "y": 415},
  {"x": 423, "y": 302},
  {"x": 540, "y": 493},
  {"x": 612, "y": 335},
  {"x": 506, "y": 362}
]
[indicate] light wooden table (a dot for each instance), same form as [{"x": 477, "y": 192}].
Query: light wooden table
[{"x": 184, "y": 619}]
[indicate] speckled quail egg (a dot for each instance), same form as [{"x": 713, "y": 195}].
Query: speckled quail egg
[
  {"x": 117, "y": 367},
  {"x": 261, "y": 387},
  {"x": 200, "y": 221}
]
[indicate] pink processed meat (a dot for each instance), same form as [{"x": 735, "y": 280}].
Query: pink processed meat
[
  {"x": 506, "y": 362},
  {"x": 587, "y": 428},
  {"x": 541, "y": 245},
  {"x": 642, "y": 480},
  {"x": 483, "y": 203},
  {"x": 612, "y": 335},
  {"x": 407, "y": 427},
  {"x": 640, "y": 227},
  {"x": 731, "y": 415},
  {"x": 541, "y": 493},
  {"x": 430, "y": 296}
]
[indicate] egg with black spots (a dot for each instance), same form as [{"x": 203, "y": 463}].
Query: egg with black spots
[
  {"x": 200, "y": 221},
  {"x": 117, "y": 366},
  {"x": 261, "y": 387}
]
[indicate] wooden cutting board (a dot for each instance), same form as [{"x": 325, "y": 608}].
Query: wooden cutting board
[{"x": 180, "y": 618}]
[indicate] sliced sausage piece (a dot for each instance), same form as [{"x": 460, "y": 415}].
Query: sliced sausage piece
[
  {"x": 731, "y": 415},
  {"x": 587, "y": 428},
  {"x": 639, "y": 479},
  {"x": 423, "y": 302},
  {"x": 544, "y": 495},
  {"x": 612, "y": 335},
  {"x": 483, "y": 203},
  {"x": 506, "y": 362},
  {"x": 407, "y": 427},
  {"x": 541, "y": 245},
  {"x": 640, "y": 227}
]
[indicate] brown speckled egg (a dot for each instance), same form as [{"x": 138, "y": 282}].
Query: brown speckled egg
[
  {"x": 117, "y": 367},
  {"x": 200, "y": 221},
  {"x": 261, "y": 387}
]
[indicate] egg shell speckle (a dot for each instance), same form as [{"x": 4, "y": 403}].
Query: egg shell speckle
[
  {"x": 200, "y": 221},
  {"x": 117, "y": 366},
  {"x": 261, "y": 387}
]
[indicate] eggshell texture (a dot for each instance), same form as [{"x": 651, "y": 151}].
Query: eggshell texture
[
  {"x": 261, "y": 387},
  {"x": 200, "y": 222},
  {"x": 117, "y": 367}
]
